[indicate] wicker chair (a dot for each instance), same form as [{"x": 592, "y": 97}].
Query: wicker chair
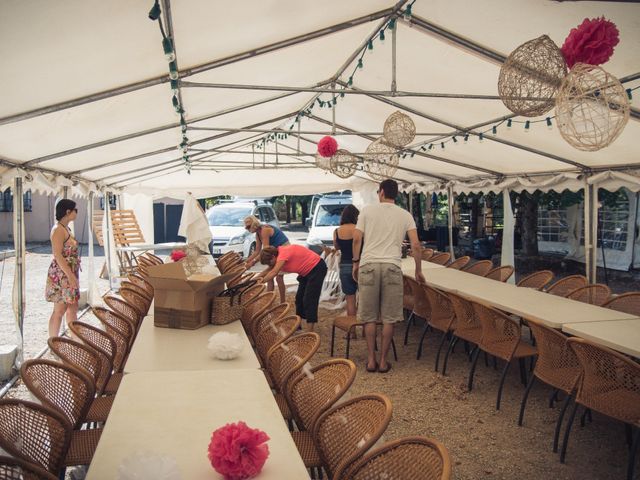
[
  {"x": 116, "y": 321},
  {"x": 441, "y": 318},
  {"x": 427, "y": 253},
  {"x": 125, "y": 309},
  {"x": 153, "y": 258},
  {"x": 105, "y": 346},
  {"x": 501, "y": 274},
  {"x": 557, "y": 365},
  {"x": 407, "y": 294},
  {"x": 466, "y": 325},
  {"x": 80, "y": 356},
  {"x": 236, "y": 273},
  {"x": 421, "y": 307},
  {"x": 566, "y": 285},
  {"x": 231, "y": 264},
  {"x": 273, "y": 327},
  {"x": 228, "y": 260},
  {"x": 479, "y": 268},
  {"x": 627, "y": 302},
  {"x": 537, "y": 280},
  {"x": 610, "y": 385},
  {"x": 70, "y": 392},
  {"x": 48, "y": 431},
  {"x": 18, "y": 469},
  {"x": 240, "y": 279},
  {"x": 136, "y": 299},
  {"x": 410, "y": 458},
  {"x": 140, "y": 290},
  {"x": 441, "y": 258},
  {"x": 141, "y": 271},
  {"x": 312, "y": 393},
  {"x": 501, "y": 337},
  {"x": 254, "y": 308},
  {"x": 142, "y": 283},
  {"x": 596, "y": 294},
  {"x": 349, "y": 324},
  {"x": 459, "y": 263},
  {"x": 252, "y": 292},
  {"x": 345, "y": 432}
]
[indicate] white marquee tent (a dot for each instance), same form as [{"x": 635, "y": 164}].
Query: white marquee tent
[{"x": 86, "y": 98}]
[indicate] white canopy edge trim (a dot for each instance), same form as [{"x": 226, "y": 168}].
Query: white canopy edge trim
[{"x": 47, "y": 183}]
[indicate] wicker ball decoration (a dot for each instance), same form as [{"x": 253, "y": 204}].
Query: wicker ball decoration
[
  {"x": 399, "y": 130},
  {"x": 322, "y": 162},
  {"x": 533, "y": 70},
  {"x": 592, "y": 108},
  {"x": 343, "y": 164},
  {"x": 381, "y": 160}
]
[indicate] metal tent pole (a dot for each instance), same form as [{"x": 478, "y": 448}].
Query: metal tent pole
[
  {"x": 595, "y": 206},
  {"x": 91, "y": 272},
  {"x": 19, "y": 274},
  {"x": 588, "y": 247},
  {"x": 450, "y": 220}
]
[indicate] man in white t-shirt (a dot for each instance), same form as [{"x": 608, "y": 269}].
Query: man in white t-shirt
[{"x": 377, "y": 270}]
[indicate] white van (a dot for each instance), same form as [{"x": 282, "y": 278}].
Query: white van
[{"x": 325, "y": 219}]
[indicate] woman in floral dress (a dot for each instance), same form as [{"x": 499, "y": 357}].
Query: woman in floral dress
[{"x": 62, "y": 279}]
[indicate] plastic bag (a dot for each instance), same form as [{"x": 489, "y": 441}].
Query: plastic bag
[{"x": 331, "y": 296}]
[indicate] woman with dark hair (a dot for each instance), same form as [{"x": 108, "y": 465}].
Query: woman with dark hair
[
  {"x": 343, "y": 241},
  {"x": 311, "y": 271},
  {"x": 62, "y": 278}
]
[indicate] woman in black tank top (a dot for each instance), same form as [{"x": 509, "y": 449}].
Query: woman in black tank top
[{"x": 343, "y": 241}]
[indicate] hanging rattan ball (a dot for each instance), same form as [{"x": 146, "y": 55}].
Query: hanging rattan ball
[
  {"x": 533, "y": 70},
  {"x": 343, "y": 164},
  {"x": 592, "y": 108},
  {"x": 399, "y": 130},
  {"x": 322, "y": 162},
  {"x": 381, "y": 160}
]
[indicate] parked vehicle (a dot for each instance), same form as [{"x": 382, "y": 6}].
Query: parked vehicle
[
  {"x": 325, "y": 219},
  {"x": 227, "y": 226}
]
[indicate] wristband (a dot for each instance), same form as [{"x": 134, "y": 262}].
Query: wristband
[{"x": 355, "y": 260}]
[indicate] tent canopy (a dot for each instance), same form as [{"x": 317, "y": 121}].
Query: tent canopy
[{"x": 86, "y": 93}]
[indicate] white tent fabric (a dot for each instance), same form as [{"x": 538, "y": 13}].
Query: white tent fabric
[
  {"x": 94, "y": 104},
  {"x": 194, "y": 226}
]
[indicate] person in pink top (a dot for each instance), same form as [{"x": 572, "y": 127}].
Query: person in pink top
[{"x": 311, "y": 271}]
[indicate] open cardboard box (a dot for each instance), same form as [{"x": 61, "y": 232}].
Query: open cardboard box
[{"x": 181, "y": 301}]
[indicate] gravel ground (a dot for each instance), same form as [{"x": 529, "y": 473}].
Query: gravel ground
[{"x": 483, "y": 442}]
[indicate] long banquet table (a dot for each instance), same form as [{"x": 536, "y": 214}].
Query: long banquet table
[
  {"x": 620, "y": 335},
  {"x": 157, "y": 349},
  {"x": 174, "y": 413}
]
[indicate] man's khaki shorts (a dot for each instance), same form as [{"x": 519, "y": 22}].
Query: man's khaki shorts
[{"x": 380, "y": 286}]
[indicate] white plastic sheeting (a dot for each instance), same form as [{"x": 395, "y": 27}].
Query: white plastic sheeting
[{"x": 507, "y": 256}]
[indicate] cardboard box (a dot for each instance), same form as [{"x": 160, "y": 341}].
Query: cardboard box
[{"x": 181, "y": 301}]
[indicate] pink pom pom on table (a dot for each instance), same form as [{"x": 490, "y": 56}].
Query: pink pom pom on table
[
  {"x": 327, "y": 146},
  {"x": 238, "y": 451},
  {"x": 592, "y": 42},
  {"x": 177, "y": 255}
]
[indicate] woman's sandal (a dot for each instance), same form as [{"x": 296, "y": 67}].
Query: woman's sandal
[
  {"x": 385, "y": 370},
  {"x": 371, "y": 370}
]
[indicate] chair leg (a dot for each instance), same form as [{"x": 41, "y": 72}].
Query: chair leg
[
  {"x": 442, "y": 340},
  {"x": 475, "y": 354},
  {"x": 424, "y": 334},
  {"x": 348, "y": 343},
  {"x": 632, "y": 455},
  {"x": 523, "y": 371},
  {"x": 524, "y": 399},
  {"x": 553, "y": 397},
  {"x": 502, "y": 379},
  {"x": 556, "y": 434},
  {"x": 333, "y": 338},
  {"x": 452, "y": 343},
  {"x": 586, "y": 414},
  {"x": 406, "y": 330},
  {"x": 393, "y": 347},
  {"x": 567, "y": 431}
]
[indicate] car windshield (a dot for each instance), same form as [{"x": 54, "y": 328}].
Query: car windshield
[
  {"x": 228, "y": 216},
  {"x": 329, "y": 215}
]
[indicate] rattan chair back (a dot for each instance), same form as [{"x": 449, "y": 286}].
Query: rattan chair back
[
  {"x": 501, "y": 274},
  {"x": 466, "y": 324},
  {"x": 537, "y": 280},
  {"x": 116, "y": 321},
  {"x": 273, "y": 331},
  {"x": 610, "y": 382},
  {"x": 144, "y": 260},
  {"x": 97, "y": 339},
  {"x": 566, "y": 285},
  {"x": 596, "y": 294},
  {"x": 80, "y": 356},
  {"x": 459, "y": 263},
  {"x": 312, "y": 393},
  {"x": 410, "y": 458},
  {"x": 252, "y": 292},
  {"x": 136, "y": 299},
  {"x": 479, "y": 268},
  {"x": 34, "y": 433},
  {"x": 256, "y": 307},
  {"x": 500, "y": 333},
  {"x": 440, "y": 258},
  {"x": 287, "y": 358},
  {"x": 239, "y": 279},
  {"x": 230, "y": 264},
  {"x": 346, "y": 431},
  {"x": 141, "y": 291},
  {"x": 236, "y": 274},
  {"x": 61, "y": 387},
  {"x": 421, "y": 306},
  {"x": 627, "y": 302},
  {"x": 18, "y": 469},
  {"x": 557, "y": 364},
  {"x": 226, "y": 260},
  {"x": 154, "y": 258},
  {"x": 142, "y": 283},
  {"x": 141, "y": 270},
  {"x": 125, "y": 309},
  {"x": 442, "y": 314},
  {"x": 427, "y": 253},
  {"x": 407, "y": 294}
]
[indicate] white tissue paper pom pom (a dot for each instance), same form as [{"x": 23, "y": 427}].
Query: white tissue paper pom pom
[
  {"x": 149, "y": 466},
  {"x": 225, "y": 345}
]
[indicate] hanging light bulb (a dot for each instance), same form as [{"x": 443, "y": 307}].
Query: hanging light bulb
[
  {"x": 173, "y": 71},
  {"x": 167, "y": 46},
  {"x": 382, "y": 37},
  {"x": 527, "y": 124},
  {"x": 392, "y": 24},
  {"x": 549, "y": 124},
  {"x": 370, "y": 45},
  {"x": 407, "y": 13},
  {"x": 175, "y": 86},
  {"x": 494, "y": 130},
  {"x": 481, "y": 136},
  {"x": 455, "y": 140},
  {"x": 509, "y": 123},
  {"x": 360, "y": 63}
]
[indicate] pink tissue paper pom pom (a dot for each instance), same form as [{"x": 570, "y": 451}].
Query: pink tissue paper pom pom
[
  {"x": 177, "y": 255},
  {"x": 238, "y": 451},
  {"x": 591, "y": 42},
  {"x": 327, "y": 146}
]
